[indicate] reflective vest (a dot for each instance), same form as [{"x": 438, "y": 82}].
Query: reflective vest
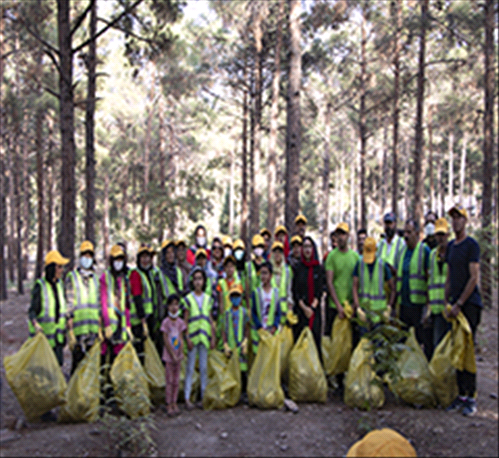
[
  {"x": 235, "y": 340},
  {"x": 252, "y": 276},
  {"x": 199, "y": 325},
  {"x": 258, "y": 297},
  {"x": 286, "y": 276},
  {"x": 225, "y": 290},
  {"x": 371, "y": 288},
  {"x": 393, "y": 258},
  {"x": 167, "y": 285},
  {"x": 46, "y": 318},
  {"x": 86, "y": 304},
  {"x": 149, "y": 295},
  {"x": 417, "y": 279},
  {"x": 436, "y": 283},
  {"x": 116, "y": 317}
]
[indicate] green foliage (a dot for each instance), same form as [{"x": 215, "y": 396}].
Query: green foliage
[{"x": 487, "y": 239}]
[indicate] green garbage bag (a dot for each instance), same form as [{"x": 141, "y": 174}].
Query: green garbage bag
[
  {"x": 35, "y": 377},
  {"x": 415, "y": 385},
  {"x": 360, "y": 391},
  {"x": 264, "y": 379},
  {"x": 155, "y": 372},
  {"x": 307, "y": 382},
  {"x": 130, "y": 384},
  {"x": 83, "y": 393},
  {"x": 224, "y": 381}
]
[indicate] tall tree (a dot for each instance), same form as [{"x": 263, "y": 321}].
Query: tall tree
[{"x": 362, "y": 118}]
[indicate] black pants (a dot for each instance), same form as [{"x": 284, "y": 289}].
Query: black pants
[
  {"x": 411, "y": 315},
  {"x": 316, "y": 330},
  {"x": 330, "y": 316},
  {"x": 59, "y": 354},
  {"x": 78, "y": 354},
  {"x": 466, "y": 381}
]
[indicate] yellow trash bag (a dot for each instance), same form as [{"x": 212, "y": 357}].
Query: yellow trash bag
[
  {"x": 196, "y": 382},
  {"x": 463, "y": 348},
  {"x": 131, "y": 388},
  {"x": 285, "y": 338},
  {"x": 360, "y": 391},
  {"x": 382, "y": 442},
  {"x": 155, "y": 372},
  {"x": 327, "y": 351},
  {"x": 340, "y": 350},
  {"x": 35, "y": 377},
  {"x": 443, "y": 373},
  {"x": 264, "y": 379},
  {"x": 415, "y": 385},
  {"x": 224, "y": 381},
  {"x": 83, "y": 393},
  {"x": 307, "y": 382}
]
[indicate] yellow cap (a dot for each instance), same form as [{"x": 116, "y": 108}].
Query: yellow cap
[
  {"x": 257, "y": 240},
  {"x": 236, "y": 288},
  {"x": 145, "y": 248},
  {"x": 441, "y": 226},
  {"x": 85, "y": 246},
  {"x": 116, "y": 251},
  {"x": 180, "y": 242},
  {"x": 277, "y": 246},
  {"x": 201, "y": 252},
  {"x": 296, "y": 239},
  {"x": 301, "y": 219},
  {"x": 226, "y": 241},
  {"x": 166, "y": 242},
  {"x": 280, "y": 228},
  {"x": 238, "y": 244},
  {"x": 342, "y": 227},
  {"x": 459, "y": 209},
  {"x": 369, "y": 252},
  {"x": 265, "y": 231},
  {"x": 382, "y": 442},
  {"x": 229, "y": 258},
  {"x": 55, "y": 257}
]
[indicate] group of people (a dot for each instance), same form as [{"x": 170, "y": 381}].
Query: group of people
[{"x": 199, "y": 298}]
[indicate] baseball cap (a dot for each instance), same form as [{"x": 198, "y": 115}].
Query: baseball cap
[
  {"x": 201, "y": 252},
  {"x": 277, "y": 246},
  {"x": 459, "y": 209},
  {"x": 145, "y": 248},
  {"x": 369, "y": 251},
  {"x": 296, "y": 239},
  {"x": 116, "y": 251},
  {"x": 180, "y": 242},
  {"x": 280, "y": 228},
  {"x": 87, "y": 245},
  {"x": 390, "y": 217},
  {"x": 236, "y": 288},
  {"x": 301, "y": 219},
  {"x": 265, "y": 231},
  {"x": 166, "y": 243},
  {"x": 342, "y": 227},
  {"x": 257, "y": 240},
  {"x": 238, "y": 244},
  {"x": 226, "y": 241},
  {"x": 56, "y": 258},
  {"x": 441, "y": 226},
  {"x": 228, "y": 259}
]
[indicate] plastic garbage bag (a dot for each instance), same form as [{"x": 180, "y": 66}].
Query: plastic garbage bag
[
  {"x": 415, "y": 385},
  {"x": 130, "y": 384},
  {"x": 463, "y": 348},
  {"x": 286, "y": 342},
  {"x": 307, "y": 382},
  {"x": 83, "y": 393},
  {"x": 35, "y": 377},
  {"x": 264, "y": 380},
  {"x": 443, "y": 373},
  {"x": 155, "y": 372},
  {"x": 361, "y": 387},
  {"x": 224, "y": 381},
  {"x": 340, "y": 349}
]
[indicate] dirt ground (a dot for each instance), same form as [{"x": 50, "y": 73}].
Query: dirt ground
[{"x": 316, "y": 430}]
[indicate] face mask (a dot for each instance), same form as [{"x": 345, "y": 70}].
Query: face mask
[
  {"x": 86, "y": 262},
  {"x": 174, "y": 315},
  {"x": 429, "y": 229},
  {"x": 146, "y": 267},
  {"x": 390, "y": 232},
  {"x": 118, "y": 265},
  {"x": 239, "y": 254},
  {"x": 227, "y": 252},
  {"x": 201, "y": 241},
  {"x": 236, "y": 300},
  {"x": 258, "y": 252}
]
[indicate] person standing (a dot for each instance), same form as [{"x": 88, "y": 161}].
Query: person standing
[
  {"x": 282, "y": 279},
  {"x": 267, "y": 238},
  {"x": 361, "y": 238},
  {"x": 171, "y": 277},
  {"x": 300, "y": 225},
  {"x": 294, "y": 257},
  {"x": 281, "y": 235},
  {"x": 240, "y": 256},
  {"x": 182, "y": 264},
  {"x": 82, "y": 295},
  {"x": 308, "y": 287},
  {"x": 217, "y": 257},
  {"x": 227, "y": 243},
  {"x": 412, "y": 277},
  {"x": 252, "y": 269},
  {"x": 429, "y": 229},
  {"x": 391, "y": 246},
  {"x": 200, "y": 241},
  {"x": 461, "y": 291}
]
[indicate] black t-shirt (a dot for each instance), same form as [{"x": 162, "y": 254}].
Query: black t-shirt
[{"x": 458, "y": 258}]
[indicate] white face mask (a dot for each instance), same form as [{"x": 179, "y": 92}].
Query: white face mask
[
  {"x": 227, "y": 252},
  {"x": 201, "y": 241},
  {"x": 429, "y": 229},
  {"x": 118, "y": 265},
  {"x": 258, "y": 252},
  {"x": 86, "y": 262},
  {"x": 174, "y": 315},
  {"x": 239, "y": 254}
]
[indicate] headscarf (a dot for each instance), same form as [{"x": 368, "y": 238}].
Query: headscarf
[
  {"x": 314, "y": 261},
  {"x": 168, "y": 268}
]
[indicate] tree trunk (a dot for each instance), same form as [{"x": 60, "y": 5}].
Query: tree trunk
[
  {"x": 244, "y": 191},
  {"x": 147, "y": 149},
  {"x": 342, "y": 187},
  {"x": 25, "y": 200},
  {"x": 440, "y": 185},
  {"x": 432, "y": 205},
  {"x": 396, "y": 109},
  {"x": 66, "y": 238},
  {"x": 12, "y": 258},
  {"x": 251, "y": 107},
  {"x": 462, "y": 168},
  {"x": 384, "y": 166},
  {"x": 451, "y": 166},
  {"x": 362, "y": 119},
  {"x": 274, "y": 112},
  {"x": 419, "y": 141},
  {"x": 89, "y": 128},
  {"x": 105, "y": 219},
  {"x": 488, "y": 150},
  {"x": 293, "y": 127},
  {"x": 3, "y": 209},
  {"x": 39, "y": 179},
  {"x": 18, "y": 220},
  {"x": 231, "y": 191},
  {"x": 50, "y": 185},
  {"x": 352, "y": 189},
  {"x": 405, "y": 157},
  {"x": 325, "y": 179}
]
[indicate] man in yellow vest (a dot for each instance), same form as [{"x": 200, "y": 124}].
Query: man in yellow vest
[
  {"x": 82, "y": 295},
  {"x": 412, "y": 277},
  {"x": 390, "y": 248},
  {"x": 282, "y": 279},
  {"x": 252, "y": 270}
]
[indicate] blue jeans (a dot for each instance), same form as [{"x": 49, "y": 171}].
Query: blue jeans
[{"x": 203, "y": 369}]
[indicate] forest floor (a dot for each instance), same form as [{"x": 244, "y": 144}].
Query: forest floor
[{"x": 316, "y": 430}]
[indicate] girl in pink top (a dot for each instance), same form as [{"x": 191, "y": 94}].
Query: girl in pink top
[{"x": 173, "y": 328}]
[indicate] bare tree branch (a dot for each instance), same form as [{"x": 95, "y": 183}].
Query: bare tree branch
[{"x": 81, "y": 17}]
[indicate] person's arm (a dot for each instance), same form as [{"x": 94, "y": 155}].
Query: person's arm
[
  {"x": 35, "y": 306},
  {"x": 355, "y": 292},
  {"x": 168, "y": 345},
  {"x": 254, "y": 313},
  {"x": 474, "y": 269},
  {"x": 332, "y": 292},
  {"x": 213, "y": 332},
  {"x": 221, "y": 304},
  {"x": 393, "y": 295}
]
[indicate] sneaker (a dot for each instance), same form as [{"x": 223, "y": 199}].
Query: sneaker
[
  {"x": 456, "y": 405},
  {"x": 469, "y": 408}
]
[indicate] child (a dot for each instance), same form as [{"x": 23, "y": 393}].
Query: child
[
  {"x": 236, "y": 330},
  {"x": 200, "y": 332},
  {"x": 265, "y": 310},
  {"x": 173, "y": 329}
]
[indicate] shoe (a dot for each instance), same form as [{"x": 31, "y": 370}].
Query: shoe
[
  {"x": 469, "y": 408},
  {"x": 49, "y": 417},
  {"x": 199, "y": 404},
  {"x": 189, "y": 405},
  {"x": 456, "y": 405}
]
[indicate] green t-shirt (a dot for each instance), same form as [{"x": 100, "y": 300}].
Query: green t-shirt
[{"x": 342, "y": 264}]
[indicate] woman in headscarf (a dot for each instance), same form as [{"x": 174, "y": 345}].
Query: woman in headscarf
[{"x": 200, "y": 241}]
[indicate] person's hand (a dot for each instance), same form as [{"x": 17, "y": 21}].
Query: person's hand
[
  {"x": 212, "y": 344},
  {"x": 361, "y": 315},
  {"x": 454, "y": 311},
  {"x": 308, "y": 312},
  {"x": 190, "y": 345},
  {"x": 387, "y": 313},
  {"x": 227, "y": 350},
  {"x": 71, "y": 339},
  {"x": 145, "y": 330},
  {"x": 38, "y": 327},
  {"x": 341, "y": 311},
  {"x": 273, "y": 330},
  {"x": 100, "y": 336},
  {"x": 244, "y": 346},
  {"x": 108, "y": 331},
  {"x": 130, "y": 333}
]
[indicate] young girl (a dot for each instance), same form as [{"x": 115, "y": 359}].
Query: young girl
[
  {"x": 200, "y": 332},
  {"x": 173, "y": 328}
]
